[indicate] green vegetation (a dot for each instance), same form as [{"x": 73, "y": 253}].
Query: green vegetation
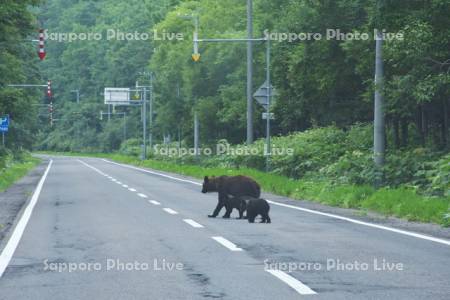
[
  {"x": 12, "y": 168},
  {"x": 332, "y": 155},
  {"x": 19, "y": 64},
  {"x": 321, "y": 82}
]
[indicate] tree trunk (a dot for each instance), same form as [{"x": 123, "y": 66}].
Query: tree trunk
[
  {"x": 419, "y": 117},
  {"x": 404, "y": 132},
  {"x": 445, "y": 124},
  {"x": 424, "y": 124},
  {"x": 396, "y": 129}
]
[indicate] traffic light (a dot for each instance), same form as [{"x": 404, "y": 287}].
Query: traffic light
[
  {"x": 195, "y": 55},
  {"x": 41, "y": 51},
  {"x": 49, "y": 88}
]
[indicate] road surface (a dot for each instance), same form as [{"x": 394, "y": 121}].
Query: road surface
[{"x": 108, "y": 231}]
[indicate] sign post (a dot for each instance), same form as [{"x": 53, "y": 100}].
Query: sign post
[
  {"x": 264, "y": 96},
  {"x": 4, "y": 126}
]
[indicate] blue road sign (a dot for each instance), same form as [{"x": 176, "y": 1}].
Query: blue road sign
[{"x": 4, "y": 123}]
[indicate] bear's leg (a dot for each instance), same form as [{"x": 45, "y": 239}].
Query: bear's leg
[
  {"x": 251, "y": 218},
  {"x": 241, "y": 214},
  {"x": 219, "y": 206},
  {"x": 228, "y": 206},
  {"x": 241, "y": 209},
  {"x": 265, "y": 218},
  {"x": 229, "y": 209}
]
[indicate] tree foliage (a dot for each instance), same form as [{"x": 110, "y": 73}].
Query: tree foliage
[{"x": 321, "y": 82}]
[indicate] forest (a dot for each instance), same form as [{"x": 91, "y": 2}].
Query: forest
[{"x": 325, "y": 86}]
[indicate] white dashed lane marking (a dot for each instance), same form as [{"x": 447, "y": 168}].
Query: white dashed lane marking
[
  {"x": 226, "y": 243},
  {"x": 132, "y": 190},
  {"x": 154, "y": 202},
  {"x": 170, "y": 211},
  {"x": 193, "y": 223},
  {"x": 142, "y": 195},
  {"x": 297, "y": 285}
]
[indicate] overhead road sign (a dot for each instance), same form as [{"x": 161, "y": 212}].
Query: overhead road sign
[{"x": 117, "y": 96}]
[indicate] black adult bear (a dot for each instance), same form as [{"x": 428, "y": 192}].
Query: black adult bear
[
  {"x": 257, "y": 206},
  {"x": 236, "y": 186}
]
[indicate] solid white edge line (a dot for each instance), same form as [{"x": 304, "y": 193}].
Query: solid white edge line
[
  {"x": 399, "y": 231},
  {"x": 142, "y": 195},
  {"x": 404, "y": 232},
  {"x": 94, "y": 168},
  {"x": 154, "y": 202},
  {"x": 151, "y": 172},
  {"x": 170, "y": 211},
  {"x": 226, "y": 243},
  {"x": 292, "y": 282},
  {"x": 193, "y": 223},
  {"x": 10, "y": 248}
]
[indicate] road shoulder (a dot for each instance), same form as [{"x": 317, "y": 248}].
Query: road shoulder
[{"x": 14, "y": 199}]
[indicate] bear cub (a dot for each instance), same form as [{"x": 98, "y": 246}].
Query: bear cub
[{"x": 255, "y": 207}]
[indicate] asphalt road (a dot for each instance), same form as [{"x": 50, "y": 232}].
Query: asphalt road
[{"x": 129, "y": 234}]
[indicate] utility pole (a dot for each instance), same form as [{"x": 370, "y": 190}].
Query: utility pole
[
  {"x": 269, "y": 91},
  {"x": 150, "y": 139},
  {"x": 249, "y": 72},
  {"x": 379, "y": 121},
  {"x": 144, "y": 124},
  {"x": 196, "y": 123},
  {"x": 196, "y": 150},
  {"x": 144, "y": 110}
]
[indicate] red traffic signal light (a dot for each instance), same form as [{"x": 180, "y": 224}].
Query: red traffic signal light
[
  {"x": 41, "y": 51},
  {"x": 49, "y": 89}
]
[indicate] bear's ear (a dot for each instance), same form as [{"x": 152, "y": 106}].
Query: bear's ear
[{"x": 206, "y": 179}]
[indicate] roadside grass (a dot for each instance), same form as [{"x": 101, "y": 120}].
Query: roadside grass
[
  {"x": 16, "y": 170},
  {"x": 400, "y": 202}
]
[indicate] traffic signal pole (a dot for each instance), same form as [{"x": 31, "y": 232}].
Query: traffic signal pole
[
  {"x": 49, "y": 94},
  {"x": 195, "y": 57},
  {"x": 268, "y": 95},
  {"x": 249, "y": 72}
]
